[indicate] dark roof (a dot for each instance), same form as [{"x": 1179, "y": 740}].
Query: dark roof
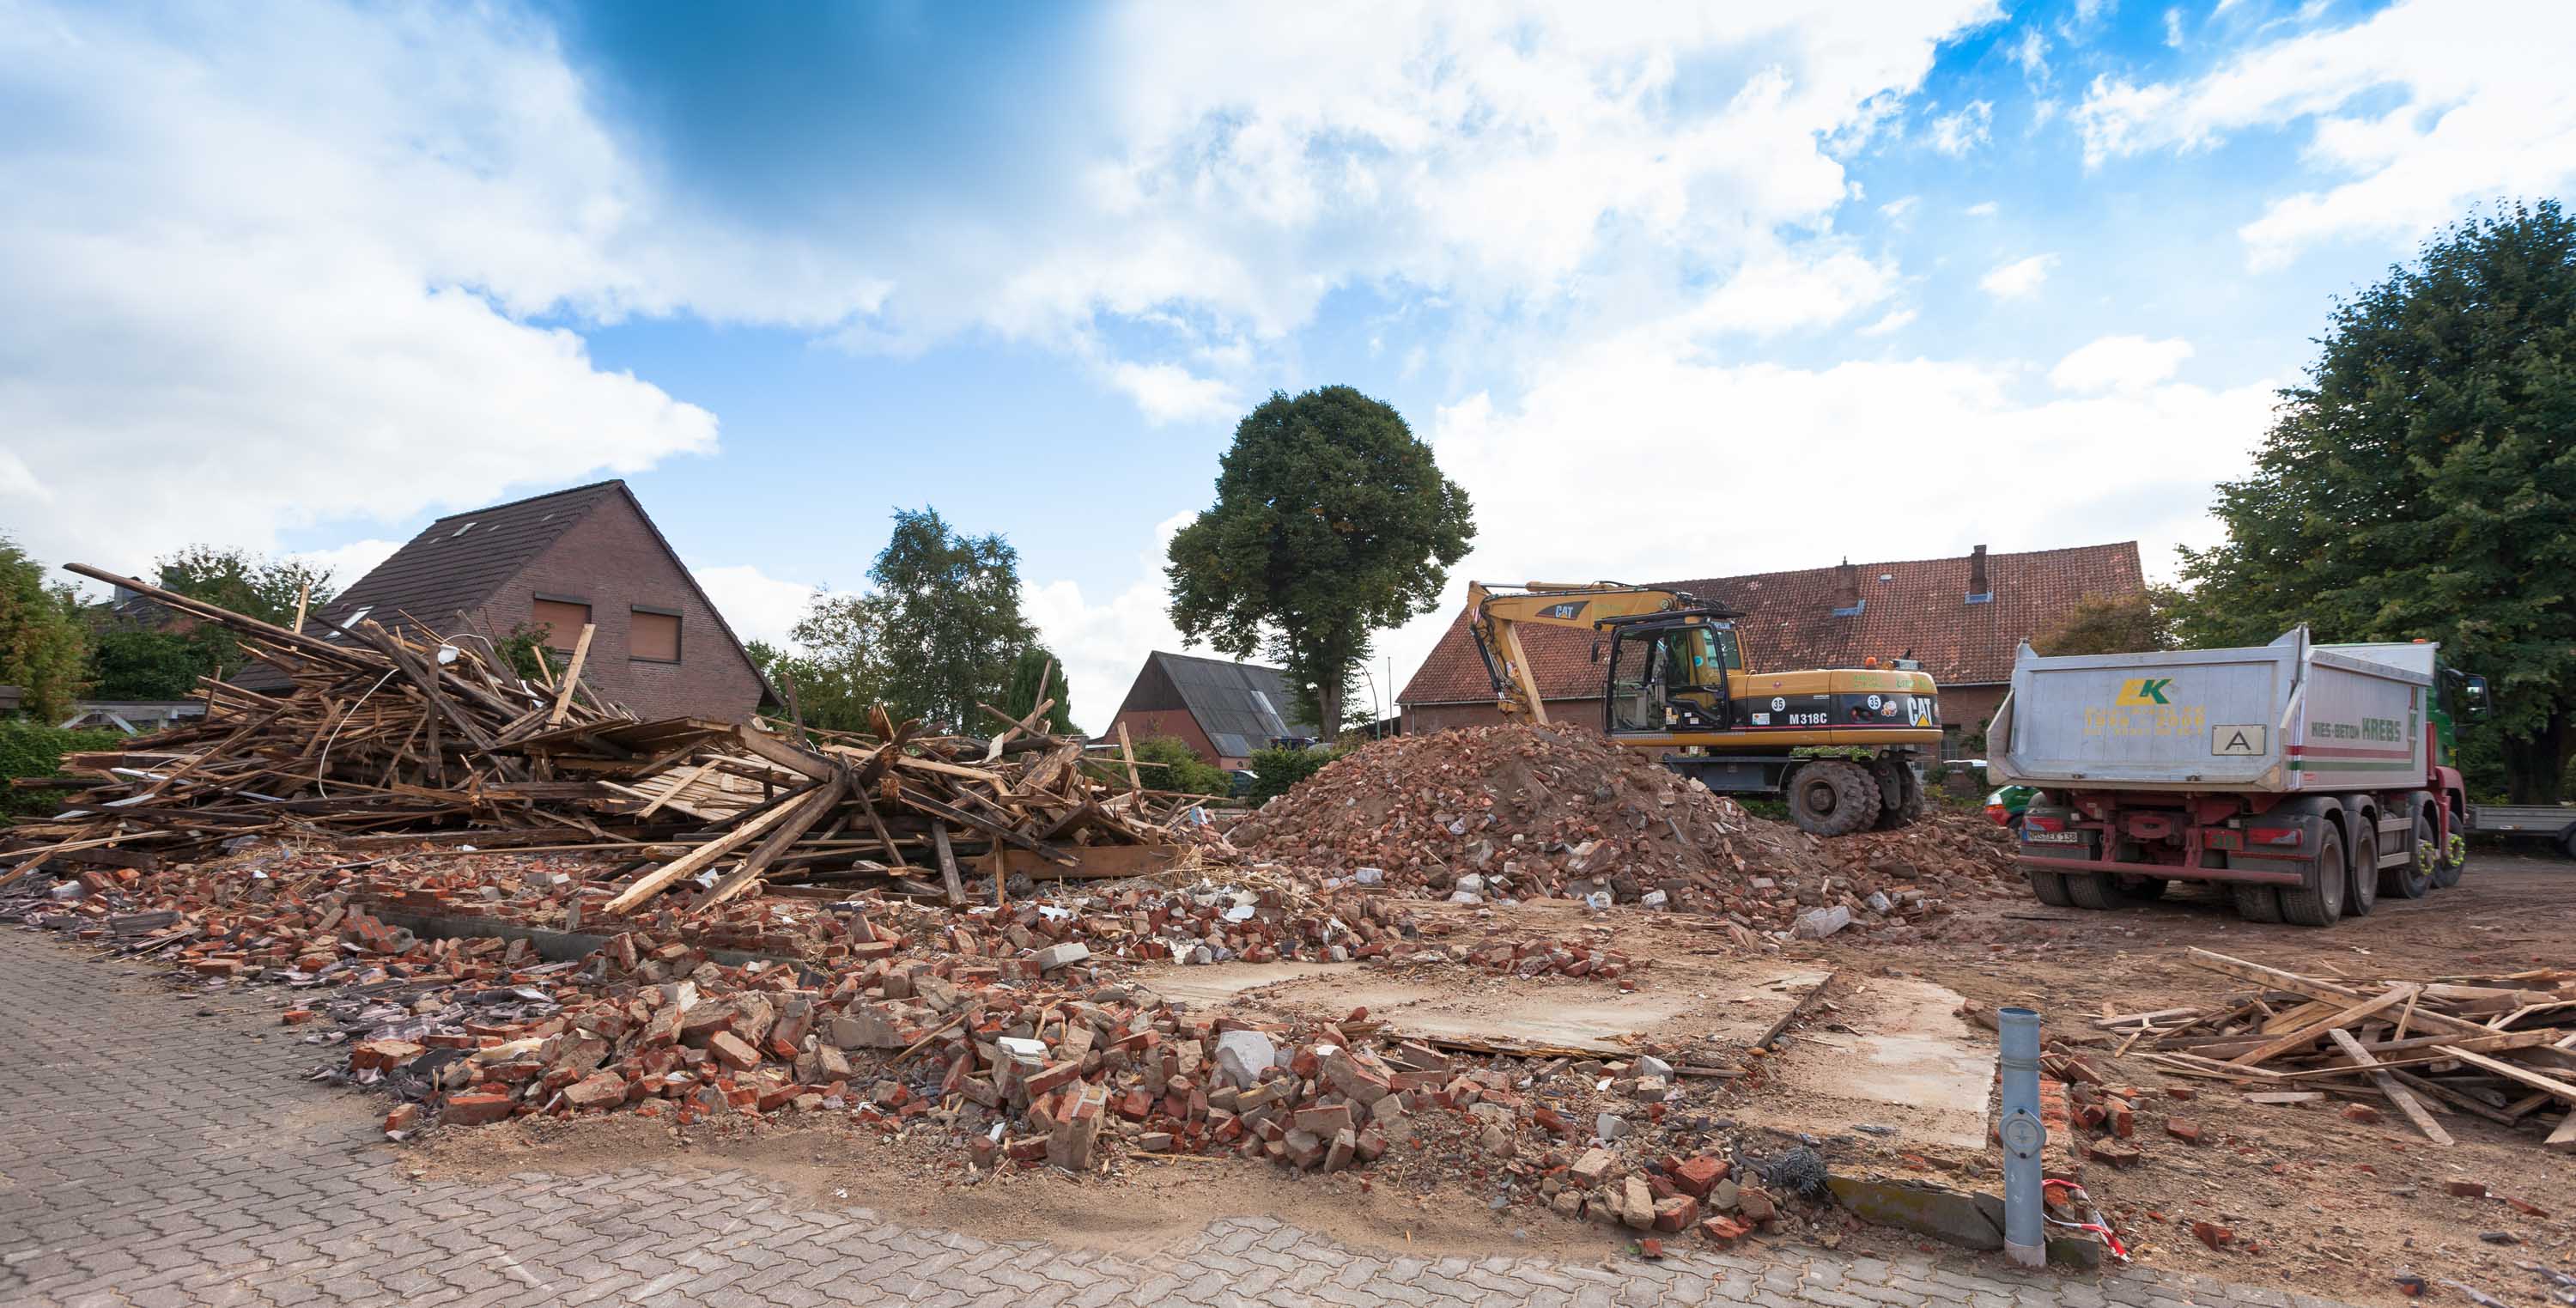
[
  {"x": 441, "y": 574},
  {"x": 1240, "y": 706},
  {"x": 1917, "y": 605}
]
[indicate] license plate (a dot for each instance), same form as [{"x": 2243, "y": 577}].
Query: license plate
[{"x": 2052, "y": 837}]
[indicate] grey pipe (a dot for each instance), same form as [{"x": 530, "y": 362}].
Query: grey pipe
[{"x": 2024, "y": 1134}]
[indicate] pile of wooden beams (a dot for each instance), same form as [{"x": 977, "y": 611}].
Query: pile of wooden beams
[
  {"x": 393, "y": 736},
  {"x": 384, "y": 727},
  {"x": 919, "y": 814},
  {"x": 2498, "y": 1047}
]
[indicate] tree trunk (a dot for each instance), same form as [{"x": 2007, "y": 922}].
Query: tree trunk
[
  {"x": 2535, "y": 766},
  {"x": 1328, "y": 701}
]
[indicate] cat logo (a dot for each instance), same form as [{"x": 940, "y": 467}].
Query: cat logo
[
  {"x": 1565, "y": 612},
  {"x": 2238, "y": 741},
  {"x": 2141, "y": 691}
]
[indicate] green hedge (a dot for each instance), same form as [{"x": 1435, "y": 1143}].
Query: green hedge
[
  {"x": 32, "y": 749},
  {"x": 1279, "y": 770}
]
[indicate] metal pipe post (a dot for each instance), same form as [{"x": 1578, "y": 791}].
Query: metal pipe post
[{"x": 2024, "y": 1134}]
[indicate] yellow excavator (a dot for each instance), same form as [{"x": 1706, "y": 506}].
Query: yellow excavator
[{"x": 1838, "y": 744}]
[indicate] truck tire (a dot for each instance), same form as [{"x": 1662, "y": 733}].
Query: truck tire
[
  {"x": 1833, "y": 797},
  {"x": 2361, "y": 880},
  {"x": 2256, "y": 903},
  {"x": 2049, "y": 886},
  {"x": 2320, "y": 902},
  {"x": 2415, "y": 880},
  {"x": 2096, "y": 890}
]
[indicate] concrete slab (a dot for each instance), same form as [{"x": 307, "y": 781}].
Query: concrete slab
[{"x": 1908, "y": 1062}]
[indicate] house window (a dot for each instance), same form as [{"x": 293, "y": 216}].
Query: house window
[
  {"x": 563, "y": 620},
  {"x": 653, "y": 635}
]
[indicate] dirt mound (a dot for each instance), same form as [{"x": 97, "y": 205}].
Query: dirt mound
[{"x": 1520, "y": 811}]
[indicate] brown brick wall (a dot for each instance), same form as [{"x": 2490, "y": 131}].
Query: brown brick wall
[
  {"x": 1970, "y": 708},
  {"x": 614, "y": 561},
  {"x": 1143, "y": 724}
]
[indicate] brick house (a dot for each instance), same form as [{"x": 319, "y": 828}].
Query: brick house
[
  {"x": 559, "y": 560},
  {"x": 1962, "y": 617},
  {"x": 1223, "y": 711}
]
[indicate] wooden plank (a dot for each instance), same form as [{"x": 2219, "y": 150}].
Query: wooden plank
[
  {"x": 949, "y": 882},
  {"x": 1095, "y": 862},
  {"x": 684, "y": 781},
  {"x": 809, "y": 810},
  {"x": 571, "y": 676},
  {"x": 1127, "y": 752},
  {"x": 786, "y": 755},
  {"x": 2307, "y": 1034},
  {"x": 2427, "y": 1018},
  {"x": 2558, "y": 1089},
  {"x": 2563, "y": 1140},
  {"x": 651, "y": 882},
  {"x": 2397, "y": 1094},
  {"x": 1798, "y": 1009}
]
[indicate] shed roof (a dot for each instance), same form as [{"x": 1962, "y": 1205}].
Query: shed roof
[{"x": 1241, "y": 706}]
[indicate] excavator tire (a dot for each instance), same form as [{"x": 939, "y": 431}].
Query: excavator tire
[{"x": 1833, "y": 797}]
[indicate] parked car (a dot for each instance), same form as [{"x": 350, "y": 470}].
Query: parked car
[{"x": 2005, "y": 806}]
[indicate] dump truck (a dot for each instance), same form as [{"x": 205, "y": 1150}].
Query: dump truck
[
  {"x": 1838, "y": 744},
  {"x": 2309, "y": 779}
]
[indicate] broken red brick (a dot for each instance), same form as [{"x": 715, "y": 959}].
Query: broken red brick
[
  {"x": 2183, "y": 1129},
  {"x": 2212, "y": 1234}
]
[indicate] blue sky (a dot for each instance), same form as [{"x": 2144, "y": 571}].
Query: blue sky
[{"x": 1660, "y": 284}]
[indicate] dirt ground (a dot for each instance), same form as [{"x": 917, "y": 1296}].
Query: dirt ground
[
  {"x": 2331, "y": 1207},
  {"x": 2318, "y": 1204}
]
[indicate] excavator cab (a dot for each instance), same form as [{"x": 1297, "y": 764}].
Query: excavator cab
[{"x": 1670, "y": 673}]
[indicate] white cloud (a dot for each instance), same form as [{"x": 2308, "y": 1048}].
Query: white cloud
[
  {"x": 1780, "y": 294},
  {"x": 309, "y": 270},
  {"x": 756, "y": 605},
  {"x": 1888, "y": 322},
  {"x": 238, "y": 276},
  {"x": 345, "y": 564},
  {"x": 2173, "y": 28},
  {"x": 2020, "y": 278},
  {"x": 1957, "y": 133},
  {"x": 1982, "y": 209},
  {"x": 2419, "y": 109},
  {"x": 2125, "y": 363},
  {"x": 1104, "y": 644},
  {"x": 1897, "y": 210},
  {"x": 1168, "y": 392},
  {"x": 2031, "y": 52}
]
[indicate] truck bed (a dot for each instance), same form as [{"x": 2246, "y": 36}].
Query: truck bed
[{"x": 2288, "y": 716}]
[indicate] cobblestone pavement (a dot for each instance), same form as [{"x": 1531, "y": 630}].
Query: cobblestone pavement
[{"x": 152, "y": 1155}]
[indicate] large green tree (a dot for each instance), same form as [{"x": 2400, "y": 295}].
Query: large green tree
[
  {"x": 1036, "y": 667},
  {"x": 244, "y": 581},
  {"x": 2423, "y": 483},
  {"x": 934, "y": 637},
  {"x": 1331, "y": 521},
  {"x": 41, "y": 640}
]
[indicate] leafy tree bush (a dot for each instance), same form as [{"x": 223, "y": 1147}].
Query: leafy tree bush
[
  {"x": 1277, "y": 771},
  {"x": 36, "y": 749},
  {"x": 1331, "y": 521},
  {"x": 2109, "y": 624},
  {"x": 130, "y": 662},
  {"x": 41, "y": 640},
  {"x": 1035, "y": 665},
  {"x": 1182, "y": 771},
  {"x": 2423, "y": 484}
]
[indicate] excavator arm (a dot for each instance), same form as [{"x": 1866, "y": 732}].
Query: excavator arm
[{"x": 1496, "y": 618}]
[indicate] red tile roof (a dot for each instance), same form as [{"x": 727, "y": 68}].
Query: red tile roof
[{"x": 1919, "y": 605}]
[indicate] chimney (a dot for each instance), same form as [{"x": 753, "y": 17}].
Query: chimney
[
  {"x": 1980, "y": 591},
  {"x": 1847, "y": 602}
]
